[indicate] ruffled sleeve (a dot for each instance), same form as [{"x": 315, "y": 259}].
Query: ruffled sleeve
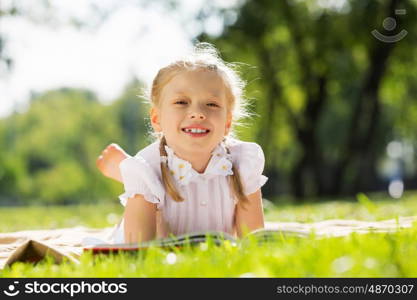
[
  {"x": 250, "y": 161},
  {"x": 139, "y": 178}
]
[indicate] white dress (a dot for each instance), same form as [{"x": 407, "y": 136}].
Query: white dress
[{"x": 208, "y": 202}]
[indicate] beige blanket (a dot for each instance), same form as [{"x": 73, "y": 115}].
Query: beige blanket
[{"x": 33, "y": 245}]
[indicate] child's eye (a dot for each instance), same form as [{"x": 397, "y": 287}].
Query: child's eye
[
  {"x": 213, "y": 104},
  {"x": 181, "y": 102}
]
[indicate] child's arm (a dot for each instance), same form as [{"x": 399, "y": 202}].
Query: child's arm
[
  {"x": 139, "y": 220},
  {"x": 109, "y": 160},
  {"x": 249, "y": 216}
]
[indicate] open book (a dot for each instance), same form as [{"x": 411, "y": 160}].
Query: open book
[{"x": 192, "y": 239}]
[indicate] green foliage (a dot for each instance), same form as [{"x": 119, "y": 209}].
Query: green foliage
[
  {"x": 52, "y": 147},
  {"x": 312, "y": 68},
  {"x": 381, "y": 207},
  {"x": 371, "y": 255},
  {"x": 364, "y": 200},
  {"x": 356, "y": 255},
  {"x": 317, "y": 69},
  {"x": 97, "y": 215}
]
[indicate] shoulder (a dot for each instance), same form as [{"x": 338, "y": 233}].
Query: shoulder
[
  {"x": 244, "y": 151},
  {"x": 144, "y": 166},
  {"x": 250, "y": 161},
  {"x": 141, "y": 175},
  {"x": 150, "y": 155}
]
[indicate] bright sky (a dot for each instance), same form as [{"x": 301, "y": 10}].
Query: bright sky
[{"x": 133, "y": 41}]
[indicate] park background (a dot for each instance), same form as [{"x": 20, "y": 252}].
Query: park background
[{"x": 334, "y": 107}]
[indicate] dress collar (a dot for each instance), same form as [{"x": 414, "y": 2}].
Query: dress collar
[{"x": 220, "y": 164}]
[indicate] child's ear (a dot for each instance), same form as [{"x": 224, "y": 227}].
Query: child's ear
[
  {"x": 155, "y": 119},
  {"x": 228, "y": 123}
]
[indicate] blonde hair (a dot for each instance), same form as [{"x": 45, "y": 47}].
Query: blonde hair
[{"x": 204, "y": 56}]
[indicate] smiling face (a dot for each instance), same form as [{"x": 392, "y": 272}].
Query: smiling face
[{"x": 193, "y": 112}]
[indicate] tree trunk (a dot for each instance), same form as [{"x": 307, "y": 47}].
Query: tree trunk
[{"x": 365, "y": 116}]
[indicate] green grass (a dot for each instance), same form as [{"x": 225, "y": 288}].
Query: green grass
[
  {"x": 377, "y": 207},
  {"x": 356, "y": 255},
  {"x": 50, "y": 217}
]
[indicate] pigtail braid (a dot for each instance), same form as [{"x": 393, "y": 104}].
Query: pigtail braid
[
  {"x": 236, "y": 184},
  {"x": 166, "y": 176}
]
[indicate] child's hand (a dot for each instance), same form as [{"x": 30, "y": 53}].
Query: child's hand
[{"x": 109, "y": 160}]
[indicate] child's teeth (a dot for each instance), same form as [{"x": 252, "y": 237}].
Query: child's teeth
[{"x": 195, "y": 130}]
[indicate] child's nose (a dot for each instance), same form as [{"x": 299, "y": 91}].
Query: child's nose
[{"x": 197, "y": 115}]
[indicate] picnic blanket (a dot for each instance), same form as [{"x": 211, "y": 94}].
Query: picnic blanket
[{"x": 68, "y": 243}]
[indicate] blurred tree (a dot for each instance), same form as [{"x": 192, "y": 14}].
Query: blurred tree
[
  {"x": 329, "y": 98},
  {"x": 52, "y": 147},
  {"x": 5, "y": 59},
  {"x": 321, "y": 74},
  {"x": 131, "y": 112}
]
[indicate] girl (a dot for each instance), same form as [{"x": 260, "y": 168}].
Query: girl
[{"x": 195, "y": 176}]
